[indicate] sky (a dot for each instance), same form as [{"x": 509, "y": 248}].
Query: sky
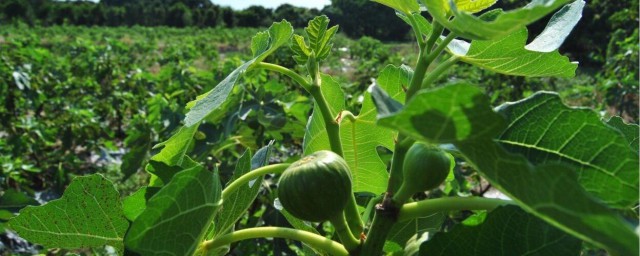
[{"x": 242, "y": 4}]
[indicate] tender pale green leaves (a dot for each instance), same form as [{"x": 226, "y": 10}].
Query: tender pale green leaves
[
  {"x": 405, "y": 6},
  {"x": 573, "y": 210},
  {"x": 471, "y": 27},
  {"x": 473, "y": 6},
  {"x": 236, "y": 205},
  {"x": 367, "y": 170},
  {"x": 559, "y": 27},
  {"x": 507, "y": 55},
  {"x": 631, "y": 132},
  {"x": 178, "y": 216},
  {"x": 445, "y": 115},
  {"x": 543, "y": 129},
  {"x": 507, "y": 231},
  {"x": 89, "y": 214},
  {"x": 320, "y": 39},
  {"x": 261, "y": 45}
]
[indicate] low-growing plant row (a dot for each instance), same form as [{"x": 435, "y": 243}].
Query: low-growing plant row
[{"x": 388, "y": 169}]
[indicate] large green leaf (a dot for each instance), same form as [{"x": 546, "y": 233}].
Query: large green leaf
[
  {"x": 543, "y": 129},
  {"x": 558, "y": 28},
  {"x": 89, "y": 214},
  {"x": 631, "y": 132},
  {"x": 236, "y": 205},
  {"x": 507, "y": 231},
  {"x": 444, "y": 115},
  {"x": 360, "y": 136},
  {"x": 471, "y": 27},
  {"x": 550, "y": 191},
  {"x": 508, "y": 55},
  {"x": 279, "y": 34},
  {"x": 178, "y": 216}
]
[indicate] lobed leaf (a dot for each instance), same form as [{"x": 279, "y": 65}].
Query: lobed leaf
[
  {"x": 89, "y": 214},
  {"x": 279, "y": 34},
  {"x": 468, "y": 114},
  {"x": 471, "y": 27},
  {"x": 543, "y": 129},
  {"x": 507, "y": 230},
  {"x": 178, "y": 216},
  {"x": 445, "y": 115},
  {"x": 507, "y": 55}
]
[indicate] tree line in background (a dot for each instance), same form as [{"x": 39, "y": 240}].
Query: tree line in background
[{"x": 604, "y": 32}]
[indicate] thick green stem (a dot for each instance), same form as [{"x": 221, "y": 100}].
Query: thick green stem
[
  {"x": 235, "y": 185},
  {"x": 344, "y": 233},
  {"x": 435, "y": 34},
  {"x": 382, "y": 223},
  {"x": 311, "y": 239},
  {"x": 430, "y": 206},
  {"x": 435, "y": 74},
  {"x": 285, "y": 71},
  {"x": 436, "y": 52},
  {"x": 332, "y": 126},
  {"x": 355, "y": 221},
  {"x": 397, "y": 161}
]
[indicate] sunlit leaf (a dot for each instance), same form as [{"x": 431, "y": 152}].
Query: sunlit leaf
[
  {"x": 543, "y": 129},
  {"x": 89, "y": 214},
  {"x": 178, "y": 216},
  {"x": 535, "y": 188},
  {"x": 559, "y": 27},
  {"x": 507, "y": 55},
  {"x": 444, "y": 115},
  {"x": 471, "y": 27},
  {"x": 279, "y": 34}
]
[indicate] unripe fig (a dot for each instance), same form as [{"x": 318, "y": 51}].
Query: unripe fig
[
  {"x": 317, "y": 187},
  {"x": 425, "y": 167}
]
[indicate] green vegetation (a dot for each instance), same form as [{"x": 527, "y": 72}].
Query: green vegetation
[{"x": 149, "y": 140}]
